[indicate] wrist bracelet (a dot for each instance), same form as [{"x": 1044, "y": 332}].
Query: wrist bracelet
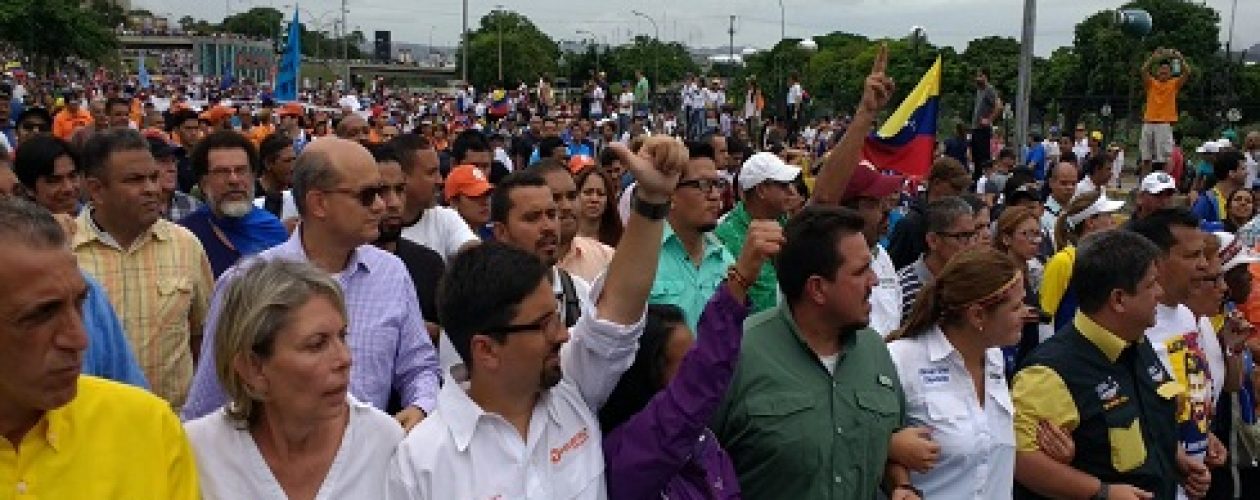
[
  {"x": 652, "y": 211},
  {"x": 733, "y": 274},
  {"x": 910, "y": 488}
]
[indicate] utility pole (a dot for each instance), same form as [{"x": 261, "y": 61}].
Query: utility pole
[
  {"x": 731, "y": 31},
  {"x": 498, "y": 21},
  {"x": 463, "y": 47},
  {"x": 1025, "y": 74},
  {"x": 345, "y": 40}
]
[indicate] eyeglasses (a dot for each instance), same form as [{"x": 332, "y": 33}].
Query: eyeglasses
[
  {"x": 548, "y": 323},
  {"x": 705, "y": 185},
  {"x": 237, "y": 171},
  {"x": 962, "y": 235},
  {"x": 366, "y": 196}
]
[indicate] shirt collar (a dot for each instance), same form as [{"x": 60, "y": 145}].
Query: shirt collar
[
  {"x": 712, "y": 245},
  {"x": 293, "y": 248},
  {"x": 846, "y": 341},
  {"x": 938, "y": 347},
  {"x": 461, "y": 414},
  {"x": 89, "y": 231},
  {"x": 1107, "y": 342}
]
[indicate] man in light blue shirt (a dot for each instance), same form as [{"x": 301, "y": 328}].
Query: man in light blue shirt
[{"x": 693, "y": 261}]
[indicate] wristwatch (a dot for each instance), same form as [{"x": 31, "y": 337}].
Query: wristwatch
[
  {"x": 909, "y": 487},
  {"x": 652, "y": 211},
  {"x": 1101, "y": 494}
]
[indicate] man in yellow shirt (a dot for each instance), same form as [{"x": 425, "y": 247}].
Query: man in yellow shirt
[
  {"x": 1162, "y": 84},
  {"x": 63, "y": 435}
]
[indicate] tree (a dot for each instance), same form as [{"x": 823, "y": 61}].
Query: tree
[
  {"x": 54, "y": 30},
  {"x": 662, "y": 63},
  {"x": 258, "y": 22},
  {"x": 527, "y": 51}
]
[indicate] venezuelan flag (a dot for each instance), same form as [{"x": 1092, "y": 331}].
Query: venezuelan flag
[{"x": 907, "y": 140}]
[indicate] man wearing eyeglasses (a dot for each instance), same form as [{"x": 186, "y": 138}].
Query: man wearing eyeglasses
[
  {"x": 951, "y": 228},
  {"x": 524, "y": 425},
  {"x": 338, "y": 189},
  {"x": 693, "y": 260},
  {"x": 229, "y": 226}
]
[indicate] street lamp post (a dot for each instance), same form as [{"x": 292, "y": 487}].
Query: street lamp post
[
  {"x": 498, "y": 9},
  {"x": 656, "y": 56},
  {"x": 782, "y": 21},
  {"x": 594, "y": 44},
  {"x": 1024, "y": 86},
  {"x": 463, "y": 47}
]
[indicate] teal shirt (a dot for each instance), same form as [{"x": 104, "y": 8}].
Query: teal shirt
[
  {"x": 795, "y": 430},
  {"x": 680, "y": 282},
  {"x": 641, "y": 91},
  {"x": 733, "y": 230}
]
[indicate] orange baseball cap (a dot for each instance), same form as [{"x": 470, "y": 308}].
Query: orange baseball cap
[
  {"x": 291, "y": 109},
  {"x": 217, "y": 114},
  {"x": 579, "y": 162},
  {"x": 466, "y": 180}
]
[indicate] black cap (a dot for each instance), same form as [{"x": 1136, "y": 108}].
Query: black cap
[
  {"x": 35, "y": 111},
  {"x": 159, "y": 148}
]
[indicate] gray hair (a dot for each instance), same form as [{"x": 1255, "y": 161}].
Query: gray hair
[
  {"x": 99, "y": 146},
  {"x": 314, "y": 170},
  {"x": 23, "y": 222},
  {"x": 257, "y": 305},
  {"x": 942, "y": 213}
]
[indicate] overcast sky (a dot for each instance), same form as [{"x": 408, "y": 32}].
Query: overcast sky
[{"x": 705, "y": 22}]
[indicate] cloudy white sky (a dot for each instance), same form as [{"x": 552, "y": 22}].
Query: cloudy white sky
[{"x": 704, "y": 22}]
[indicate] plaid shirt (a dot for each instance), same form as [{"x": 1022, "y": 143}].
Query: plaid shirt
[
  {"x": 181, "y": 205},
  {"x": 160, "y": 287}
]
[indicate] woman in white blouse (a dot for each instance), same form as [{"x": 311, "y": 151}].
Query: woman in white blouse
[
  {"x": 952, "y": 373},
  {"x": 281, "y": 356}
]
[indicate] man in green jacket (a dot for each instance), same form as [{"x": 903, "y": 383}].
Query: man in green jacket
[{"x": 766, "y": 183}]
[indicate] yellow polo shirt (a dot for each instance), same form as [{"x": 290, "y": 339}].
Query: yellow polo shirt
[{"x": 112, "y": 441}]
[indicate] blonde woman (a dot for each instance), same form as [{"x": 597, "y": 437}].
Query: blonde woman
[{"x": 281, "y": 357}]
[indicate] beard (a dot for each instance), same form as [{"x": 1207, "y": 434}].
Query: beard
[
  {"x": 235, "y": 209},
  {"x": 389, "y": 233},
  {"x": 707, "y": 228}
]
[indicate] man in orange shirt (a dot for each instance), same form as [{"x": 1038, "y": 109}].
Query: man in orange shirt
[
  {"x": 1161, "y": 86},
  {"x": 73, "y": 117}
]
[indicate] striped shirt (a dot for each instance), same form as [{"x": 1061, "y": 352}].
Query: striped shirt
[
  {"x": 160, "y": 287},
  {"x": 388, "y": 341},
  {"x": 913, "y": 278}
]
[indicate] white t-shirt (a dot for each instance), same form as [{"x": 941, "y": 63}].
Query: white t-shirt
[
  {"x": 795, "y": 94},
  {"x": 230, "y": 466},
  {"x": 626, "y": 103},
  {"x": 1252, "y": 162},
  {"x": 597, "y": 100},
  {"x": 350, "y": 101},
  {"x": 886, "y": 295},
  {"x": 442, "y": 230},
  {"x": 288, "y": 208},
  {"x": 1081, "y": 149},
  {"x": 1085, "y": 186},
  {"x": 1178, "y": 342}
]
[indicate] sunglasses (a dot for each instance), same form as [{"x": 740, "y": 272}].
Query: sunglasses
[
  {"x": 366, "y": 196},
  {"x": 705, "y": 185}
]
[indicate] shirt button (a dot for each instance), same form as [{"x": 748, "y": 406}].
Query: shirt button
[
  {"x": 21, "y": 487},
  {"x": 839, "y": 430},
  {"x": 838, "y": 479}
]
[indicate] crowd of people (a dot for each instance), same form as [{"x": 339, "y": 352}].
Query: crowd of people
[{"x": 382, "y": 294}]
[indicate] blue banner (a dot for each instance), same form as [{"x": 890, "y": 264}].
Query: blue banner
[{"x": 287, "y": 77}]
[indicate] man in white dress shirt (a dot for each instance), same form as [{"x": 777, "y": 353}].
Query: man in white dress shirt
[{"x": 523, "y": 425}]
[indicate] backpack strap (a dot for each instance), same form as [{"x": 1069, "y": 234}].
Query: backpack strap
[{"x": 572, "y": 304}]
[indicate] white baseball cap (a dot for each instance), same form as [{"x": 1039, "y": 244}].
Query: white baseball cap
[
  {"x": 1101, "y": 206},
  {"x": 1233, "y": 253},
  {"x": 1209, "y": 147},
  {"x": 1158, "y": 182},
  {"x": 763, "y": 167}
]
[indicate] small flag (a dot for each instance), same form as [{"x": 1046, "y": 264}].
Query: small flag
[
  {"x": 907, "y": 140},
  {"x": 143, "y": 76}
]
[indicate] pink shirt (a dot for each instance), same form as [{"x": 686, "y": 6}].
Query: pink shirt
[{"x": 587, "y": 258}]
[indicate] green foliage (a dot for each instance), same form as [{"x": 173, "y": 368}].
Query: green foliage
[
  {"x": 527, "y": 52},
  {"x": 258, "y": 22},
  {"x": 53, "y": 30},
  {"x": 668, "y": 60}
]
